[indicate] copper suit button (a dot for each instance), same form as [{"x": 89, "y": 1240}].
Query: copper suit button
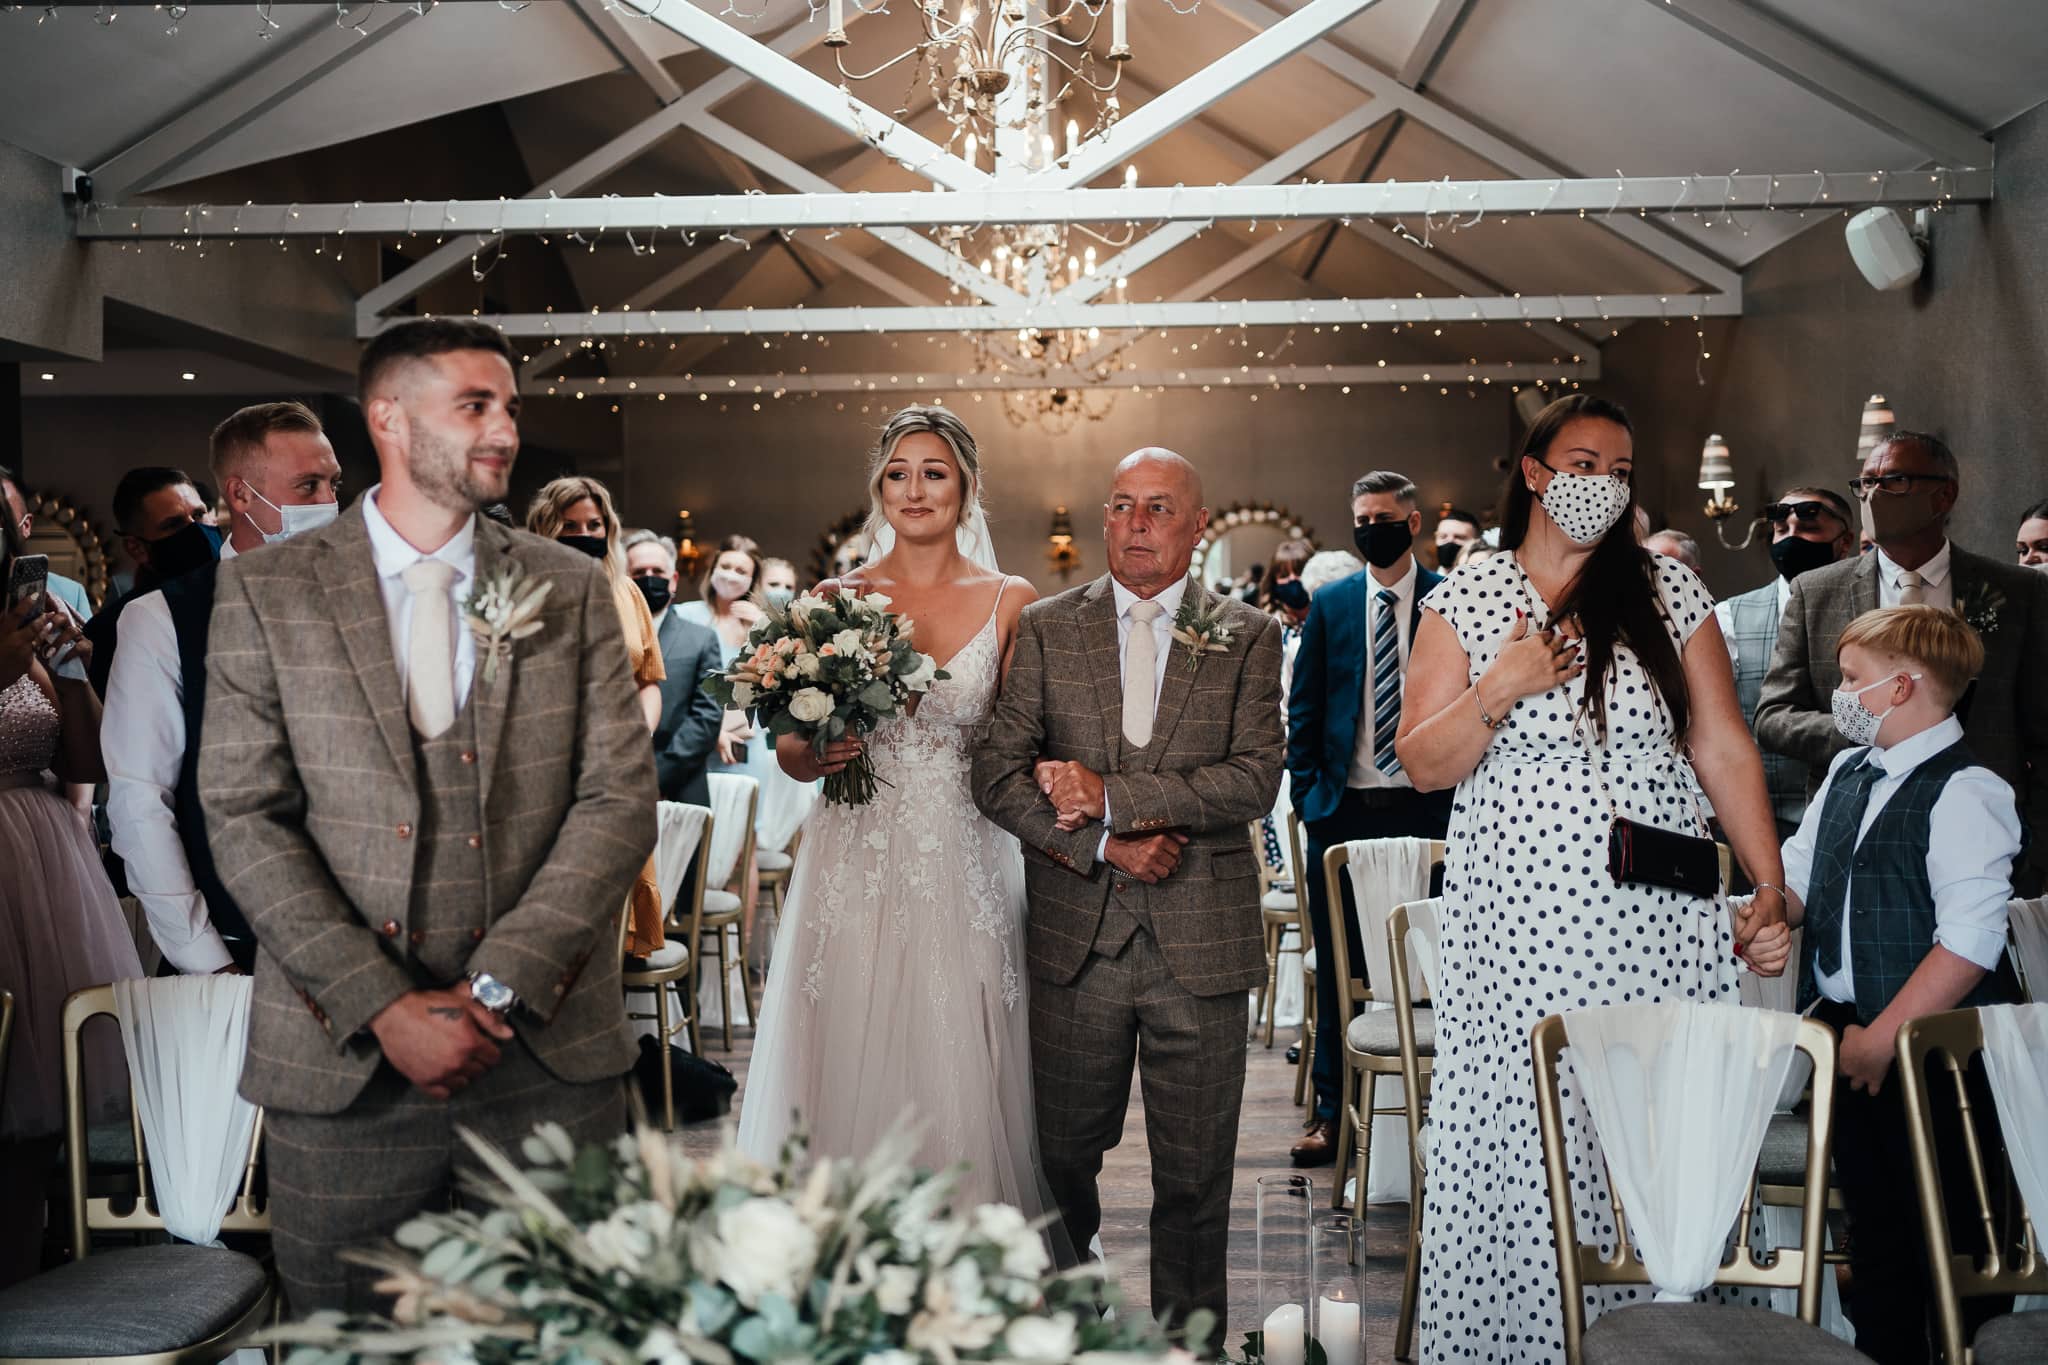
[
  {"x": 391, "y": 928},
  {"x": 476, "y": 936},
  {"x": 469, "y": 755},
  {"x": 405, "y": 831},
  {"x": 476, "y": 841},
  {"x": 419, "y": 936}
]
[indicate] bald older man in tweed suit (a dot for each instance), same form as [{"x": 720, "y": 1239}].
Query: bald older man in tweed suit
[
  {"x": 432, "y": 836},
  {"x": 1130, "y": 766}
]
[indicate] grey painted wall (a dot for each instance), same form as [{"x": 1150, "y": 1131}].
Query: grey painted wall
[{"x": 1962, "y": 353}]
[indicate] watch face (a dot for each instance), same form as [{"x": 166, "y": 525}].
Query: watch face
[{"x": 491, "y": 993}]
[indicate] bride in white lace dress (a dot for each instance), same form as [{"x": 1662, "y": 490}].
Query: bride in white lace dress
[{"x": 897, "y": 984}]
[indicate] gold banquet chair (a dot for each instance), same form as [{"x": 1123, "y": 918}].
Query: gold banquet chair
[
  {"x": 669, "y": 969},
  {"x": 1694, "y": 1333},
  {"x": 1305, "y": 1064},
  {"x": 733, "y": 797},
  {"x": 1416, "y": 1070},
  {"x": 2014, "y": 1264},
  {"x": 1372, "y": 1043},
  {"x": 1280, "y": 896},
  {"x": 165, "y": 1304}
]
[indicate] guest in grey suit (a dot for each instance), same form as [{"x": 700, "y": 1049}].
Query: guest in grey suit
[
  {"x": 432, "y": 836},
  {"x": 1131, "y": 766},
  {"x": 1908, "y": 487},
  {"x": 688, "y": 729}
]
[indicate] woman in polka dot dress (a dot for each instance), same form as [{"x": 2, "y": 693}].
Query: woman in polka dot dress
[{"x": 1533, "y": 924}]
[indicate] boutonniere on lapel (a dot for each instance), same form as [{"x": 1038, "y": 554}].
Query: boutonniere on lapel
[
  {"x": 1203, "y": 632},
  {"x": 505, "y": 607},
  {"x": 1980, "y": 606}
]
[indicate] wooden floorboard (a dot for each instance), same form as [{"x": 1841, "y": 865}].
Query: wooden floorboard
[{"x": 1269, "y": 1126}]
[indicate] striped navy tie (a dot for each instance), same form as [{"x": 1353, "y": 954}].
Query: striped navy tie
[{"x": 1386, "y": 683}]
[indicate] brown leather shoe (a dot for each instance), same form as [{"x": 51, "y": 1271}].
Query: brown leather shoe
[{"x": 1318, "y": 1146}]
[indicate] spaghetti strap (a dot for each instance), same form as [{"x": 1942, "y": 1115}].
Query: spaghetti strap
[{"x": 1001, "y": 588}]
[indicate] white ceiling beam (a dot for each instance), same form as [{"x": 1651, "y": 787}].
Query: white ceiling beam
[
  {"x": 1157, "y": 117},
  {"x": 1219, "y": 376},
  {"x": 296, "y": 64},
  {"x": 1659, "y": 241},
  {"x": 1295, "y": 159},
  {"x": 1433, "y": 262},
  {"x": 706, "y": 259},
  {"x": 1823, "y": 71},
  {"x": 1433, "y": 42},
  {"x": 800, "y": 85},
  {"x": 861, "y": 268},
  {"x": 581, "y": 174},
  {"x": 1151, "y": 316},
  {"x": 1611, "y": 200},
  {"x": 798, "y": 177},
  {"x": 610, "y": 30}
]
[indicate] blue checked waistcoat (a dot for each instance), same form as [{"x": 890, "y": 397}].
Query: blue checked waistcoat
[
  {"x": 1753, "y": 627},
  {"x": 1891, "y": 915}
]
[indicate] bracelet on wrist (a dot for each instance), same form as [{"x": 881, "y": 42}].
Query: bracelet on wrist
[
  {"x": 1783, "y": 894},
  {"x": 1485, "y": 717}
]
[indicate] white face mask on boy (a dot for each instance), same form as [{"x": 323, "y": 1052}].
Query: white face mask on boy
[{"x": 1857, "y": 722}]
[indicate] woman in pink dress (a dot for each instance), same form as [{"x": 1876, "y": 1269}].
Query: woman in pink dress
[{"x": 60, "y": 926}]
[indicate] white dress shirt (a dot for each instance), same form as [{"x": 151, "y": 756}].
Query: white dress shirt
[
  {"x": 393, "y": 555},
  {"x": 1364, "y": 772},
  {"x": 1726, "y": 620},
  {"x": 1937, "y": 589},
  {"x": 1973, "y": 837},
  {"x": 142, "y": 735},
  {"x": 1162, "y": 636}
]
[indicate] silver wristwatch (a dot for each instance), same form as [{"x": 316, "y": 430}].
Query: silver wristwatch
[{"x": 493, "y": 994}]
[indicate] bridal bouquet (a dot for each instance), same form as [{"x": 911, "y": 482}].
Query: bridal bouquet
[
  {"x": 635, "y": 1254},
  {"x": 827, "y": 667}
]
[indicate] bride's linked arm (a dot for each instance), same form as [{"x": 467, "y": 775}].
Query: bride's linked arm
[
  {"x": 1233, "y": 792},
  {"x": 1005, "y": 784}
]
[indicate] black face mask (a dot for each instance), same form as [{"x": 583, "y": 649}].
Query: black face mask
[
  {"x": 594, "y": 546},
  {"x": 1291, "y": 595},
  {"x": 654, "y": 587},
  {"x": 1793, "y": 556},
  {"x": 1383, "y": 542},
  {"x": 192, "y": 546}
]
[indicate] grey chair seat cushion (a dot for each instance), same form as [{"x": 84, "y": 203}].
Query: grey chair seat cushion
[
  {"x": 2012, "y": 1339},
  {"x": 721, "y": 903},
  {"x": 1782, "y": 1160},
  {"x": 1377, "y": 1035},
  {"x": 1709, "y": 1333},
  {"x": 768, "y": 860},
  {"x": 131, "y": 1301},
  {"x": 1278, "y": 903},
  {"x": 672, "y": 953},
  {"x": 1308, "y": 960}
]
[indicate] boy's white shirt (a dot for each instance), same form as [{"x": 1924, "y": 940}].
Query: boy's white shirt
[{"x": 1973, "y": 838}]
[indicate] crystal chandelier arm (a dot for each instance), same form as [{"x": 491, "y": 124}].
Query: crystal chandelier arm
[
  {"x": 1078, "y": 74},
  {"x": 840, "y": 61}
]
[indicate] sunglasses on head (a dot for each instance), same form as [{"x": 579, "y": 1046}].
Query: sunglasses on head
[{"x": 1781, "y": 512}]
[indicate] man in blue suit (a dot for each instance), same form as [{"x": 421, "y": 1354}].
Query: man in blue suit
[{"x": 1341, "y": 717}]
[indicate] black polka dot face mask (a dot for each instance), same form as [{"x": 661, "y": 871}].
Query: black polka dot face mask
[{"x": 1584, "y": 506}]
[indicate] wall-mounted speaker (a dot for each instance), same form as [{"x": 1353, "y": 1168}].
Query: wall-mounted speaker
[{"x": 1884, "y": 248}]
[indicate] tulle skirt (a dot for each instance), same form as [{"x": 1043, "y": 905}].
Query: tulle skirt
[{"x": 60, "y": 930}]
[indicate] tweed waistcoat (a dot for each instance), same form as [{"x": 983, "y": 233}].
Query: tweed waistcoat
[
  {"x": 1883, "y": 877},
  {"x": 448, "y": 895},
  {"x": 1753, "y": 627},
  {"x": 1126, "y": 911}
]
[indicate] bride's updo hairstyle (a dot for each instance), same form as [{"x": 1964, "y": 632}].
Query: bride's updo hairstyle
[{"x": 942, "y": 423}]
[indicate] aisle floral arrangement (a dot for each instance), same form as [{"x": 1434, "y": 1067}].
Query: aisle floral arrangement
[
  {"x": 635, "y": 1252},
  {"x": 829, "y": 666}
]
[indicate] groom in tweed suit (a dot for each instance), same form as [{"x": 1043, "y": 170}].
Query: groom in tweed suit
[
  {"x": 432, "y": 850},
  {"x": 1130, "y": 767}
]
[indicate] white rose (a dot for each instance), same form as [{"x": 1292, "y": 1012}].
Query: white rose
[
  {"x": 810, "y": 705},
  {"x": 876, "y": 601},
  {"x": 1052, "y": 1338},
  {"x": 808, "y": 665},
  {"x": 896, "y": 1289},
  {"x": 920, "y": 678},
  {"x": 848, "y": 643},
  {"x": 627, "y": 1239},
  {"x": 742, "y": 695},
  {"x": 766, "y": 1249},
  {"x": 889, "y": 1358}
]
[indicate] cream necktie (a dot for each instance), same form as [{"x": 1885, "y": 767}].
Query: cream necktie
[
  {"x": 1909, "y": 588},
  {"x": 1141, "y": 658},
  {"x": 430, "y": 653}
]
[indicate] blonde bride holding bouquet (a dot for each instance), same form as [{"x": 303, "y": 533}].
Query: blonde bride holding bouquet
[{"x": 898, "y": 984}]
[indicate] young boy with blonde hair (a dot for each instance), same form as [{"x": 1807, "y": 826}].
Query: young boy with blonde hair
[{"x": 1900, "y": 873}]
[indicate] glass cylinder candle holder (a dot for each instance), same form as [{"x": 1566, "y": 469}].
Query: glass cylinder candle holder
[
  {"x": 1286, "y": 1267},
  {"x": 1337, "y": 1260}
]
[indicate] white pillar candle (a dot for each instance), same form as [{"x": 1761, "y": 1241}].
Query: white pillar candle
[
  {"x": 1337, "y": 1327},
  {"x": 837, "y": 17},
  {"x": 1286, "y": 1336},
  {"x": 1118, "y": 39}
]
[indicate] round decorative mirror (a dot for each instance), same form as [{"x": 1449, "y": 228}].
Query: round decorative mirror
[
  {"x": 69, "y": 538},
  {"x": 1241, "y": 535}
]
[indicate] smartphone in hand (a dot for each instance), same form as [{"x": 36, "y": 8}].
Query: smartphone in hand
[{"x": 26, "y": 581}]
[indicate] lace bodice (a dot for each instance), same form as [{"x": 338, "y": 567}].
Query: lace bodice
[
  {"x": 913, "y": 751},
  {"x": 28, "y": 728}
]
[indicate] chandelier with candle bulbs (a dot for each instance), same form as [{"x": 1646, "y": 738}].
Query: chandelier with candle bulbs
[
  {"x": 1000, "y": 69},
  {"x": 1063, "y": 374}
]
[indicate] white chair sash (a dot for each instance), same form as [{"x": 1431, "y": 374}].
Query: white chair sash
[
  {"x": 681, "y": 830},
  {"x": 1679, "y": 1096},
  {"x": 1425, "y": 947},
  {"x": 1781, "y": 993},
  {"x": 1385, "y": 873},
  {"x": 729, "y": 793},
  {"x": 185, "y": 1037},
  {"x": 2029, "y": 920},
  {"x": 785, "y": 804},
  {"x": 2016, "y": 1063}
]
